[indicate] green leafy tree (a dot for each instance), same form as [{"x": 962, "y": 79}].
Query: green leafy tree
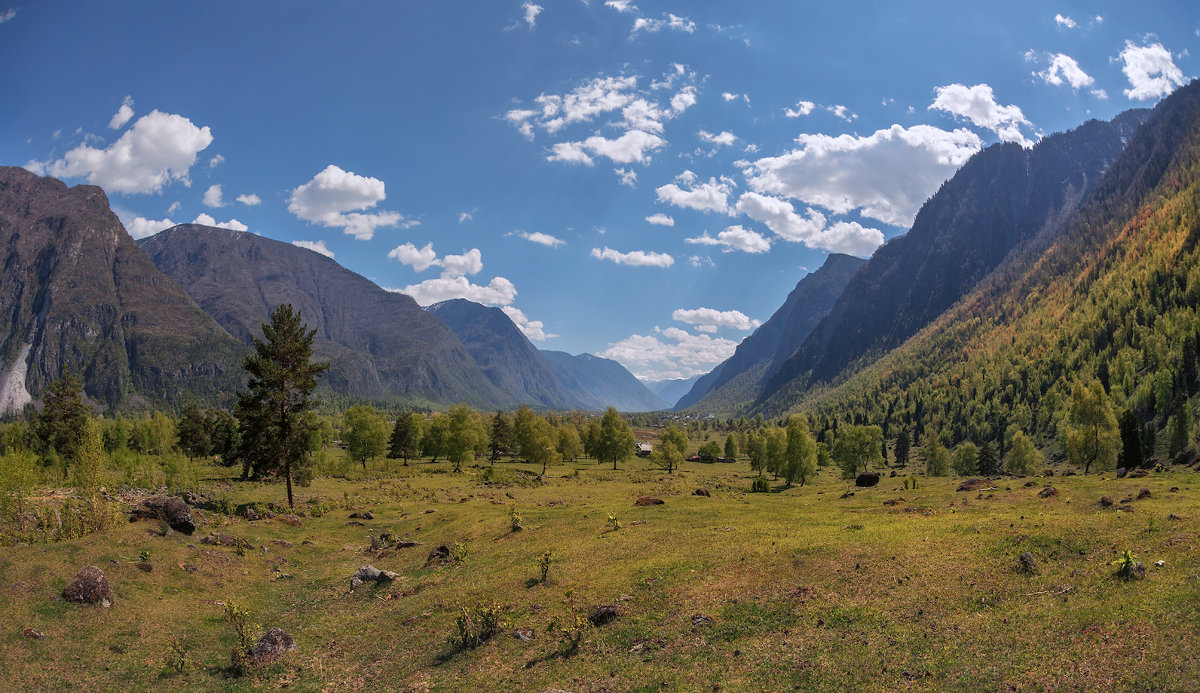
[
  {"x": 709, "y": 450},
  {"x": 406, "y": 437},
  {"x": 195, "y": 439},
  {"x": 90, "y": 462},
  {"x": 776, "y": 450},
  {"x": 801, "y": 454},
  {"x": 502, "y": 435},
  {"x": 966, "y": 459},
  {"x": 272, "y": 413},
  {"x": 541, "y": 444},
  {"x": 570, "y": 447},
  {"x": 674, "y": 435},
  {"x": 435, "y": 436},
  {"x": 731, "y": 447},
  {"x": 856, "y": 449},
  {"x": 60, "y": 424},
  {"x": 524, "y": 426},
  {"x": 464, "y": 435},
  {"x": 1092, "y": 436},
  {"x": 756, "y": 450},
  {"x": 364, "y": 431},
  {"x": 937, "y": 458},
  {"x": 615, "y": 441},
  {"x": 667, "y": 455},
  {"x": 1023, "y": 458}
]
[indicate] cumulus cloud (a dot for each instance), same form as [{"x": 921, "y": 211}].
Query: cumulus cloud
[
  {"x": 464, "y": 217},
  {"x": 660, "y": 220},
  {"x": 978, "y": 105},
  {"x": 668, "y": 21},
  {"x": 635, "y": 258},
  {"x": 1064, "y": 68},
  {"x": 670, "y": 353},
  {"x": 419, "y": 259},
  {"x": 208, "y": 220},
  {"x": 216, "y": 161},
  {"x": 123, "y": 115},
  {"x": 886, "y": 176},
  {"x": 627, "y": 177},
  {"x": 531, "y": 13},
  {"x": 781, "y": 218},
  {"x": 686, "y": 192},
  {"x": 1151, "y": 71},
  {"x": 158, "y": 149},
  {"x": 174, "y": 207},
  {"x": 684, "y": 99},
  {"x": 532, "y": 329},
  {"x": 541, "y": 238},
  {"x": 621, "y": 5},
  {"x": 335, "y": 198},
  {"x": 315, "y": 246},
  {"x": 141, "y": 227},
  {"x": 213, "y": 197},
  {"x": 498, "y": 292},
  {"x": 632, "y": 147},
  {"x": 802, "y": 108},
  {"x": 721, "y": 139},
  {"x": 250, "y": 200},
  {"x": 710, "y": 319},
  {"x": 841, "y": 112},
  {"x": 735, "y": 238},
  {"x": 1065, "y": 22}
]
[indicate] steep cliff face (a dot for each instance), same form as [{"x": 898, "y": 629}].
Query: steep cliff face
[
  {"x": 76, "y": 293},
  {"x": 380, "y": 344}
]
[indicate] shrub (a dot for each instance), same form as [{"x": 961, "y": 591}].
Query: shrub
[
  {"x": 1127, "y": 566},
  {"x": 476, "y": 625},
  {"x": 175, "y": 656},
  {"x": 613, "y": 523},
  {"x": 760, "y": 485},
  {"x": 544, "y": 565},
  {"x": 514, "y": 520},
  {"x": 239, "y": 619}
]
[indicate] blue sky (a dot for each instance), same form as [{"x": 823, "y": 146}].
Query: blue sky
[{"x": 641, "y": 180}]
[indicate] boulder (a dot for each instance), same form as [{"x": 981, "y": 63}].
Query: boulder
[
  {"x": 603, "y": 614},
  {"x": 523, "y": 634},
  {"x": 699, "y": 620},
  {"x": 1144, "y": 493},
  {"x": 252, "y": 515},
  {"x": 648, "y": 500},
  {"x": 1139, "y": 474},
  {"x": 33, "y": 634},
  {"x": 174, "y": 511},
  {"x": 439, "y": 555},
  {"x": 1105, "y": 502},
  {"x": 1048, "y": 492},
  {"x": 362, "y": 516},
  {"x": 974, "y": 485},
  {"x": 867, "y": 479},
  {"x": 89, "y": 587},
  {"x": 369, "y": 573},
  {"x": 290, "y": 520},
  {"x": 1028, "y": 565},
  {"x": 225, "y": 540},
  {"x": 1122, "y": 472},
  {"x": 702, "y": 492},
  {"x": 271, "y": 647}
]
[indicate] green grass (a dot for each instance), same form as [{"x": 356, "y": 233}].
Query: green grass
[{"x": 805, "y": 589}]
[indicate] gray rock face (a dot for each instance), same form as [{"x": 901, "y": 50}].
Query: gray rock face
[
  {"x": 369, "y": 573},
  {"x": 89, "y": 587},
  {"x": 173, "y": 511}
]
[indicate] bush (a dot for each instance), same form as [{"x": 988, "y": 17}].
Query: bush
[
  {"x": 760, "y": 485},
  {"x": 243, "y": 629},
  {"x": 476, "y": 625}
]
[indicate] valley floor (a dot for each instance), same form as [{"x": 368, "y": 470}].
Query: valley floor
[{"x": 796, "y": 589}]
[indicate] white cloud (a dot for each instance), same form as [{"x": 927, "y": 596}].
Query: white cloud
[
  {"x": 841, "y": 112},
  {"x": 498, "y": 292},
  {"x": 8, "y": 15},
  {"x": 1063, "y": 67},
  {"x": 670, "y": 353},
  {"x": 232, "y": 224},
  {"x": 532, "y": 329},
  {"x": 141, "y": 227},
  {"x": 636, "y": 258},
  {"x": 633, "y": 146},
  {"x": 697, "y": 261},
  {"x": 710, "y": 319},
  {"x": 621, "y": 5},
  {"x": 660, "y": 220},
  {"x": 729, "y": 96},
  {"x": 802, "y": 108},
  {"x": 626, "y": 176},
  {"x": 469, "y": 263},
  {"x": 174, "y": 207},
  {"x": 1064, "y": 21},
  {"x": 315, "y": 246},
  {"x": 541, "y": 238},
  {"x": 887, "y": 175},
  {"x": 670, "y": 21},
  {"x": 158, "y": 149},
  {"x": 419, "y": 259},
  {"x": 465, "y": 217},
  {"x": 213, "y": 196},
  {"x": 781, "y": 217},
  {"x": 531, "y": 13},
  {"x": 735, "y": 238},
  {"x": 1151, "y": 71},
  {"x": 333, "y": 197},
  {"x": 978, "y": 104},
  {"x": 123, "y": 115},
  {"x": 590, "y": 99},
  {"x": 684, "y": 99},
  {"x": 724, "y": 138},
  {"x": 250, "y": 200},
  {"x": 712, "y": 196},
  {"x": 216, "y": 161}
]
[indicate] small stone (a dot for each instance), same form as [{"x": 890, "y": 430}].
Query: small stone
[
  {"x": 523, "y": 634},
  {"x": 291, "y": 520},
  {"x": 439, "y": 555},
  {"x": 89, "y": 587},
  {"x": 1105, "y": 502},
  {"x": 1160, "y": 564},
  {"x": 702, "y": 492},
  {"x": 1144, "y": 493},
  {"x": 699, "y": 620},
  {"x": 648, "y": 500},
  {"x": 282, "y": 542},
  {"x": 363, "y": 516},
  {"x": 33, "y": 634},
  {"x": 1048, "y": 492},
  {"x": 271, "y": 647},
  {"x": 252, "y": 515},
  {"x": 145, "y": 567},
  {"x": 973, "y": 485},
  {"x": 603, "y": 614},
  {"x": 1028, "y": 565}
]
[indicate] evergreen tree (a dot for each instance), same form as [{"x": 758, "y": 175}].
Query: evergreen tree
[
  {"x": 59, "y": 426},
  {"x": 405, "y": 439},
  {"x": 502, "y": 434},
  {"x": 901, "y": 449},
  {"x": 194, "y": 437},
  {"x": 272, "y": 412},
  {"x": 1131, "y": 442},
  {"x": 986, "y": 460},
  {"x": 1179, "y": 431}
]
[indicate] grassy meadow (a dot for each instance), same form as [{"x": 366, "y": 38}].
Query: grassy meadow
[{"x": 801, "y": 588}]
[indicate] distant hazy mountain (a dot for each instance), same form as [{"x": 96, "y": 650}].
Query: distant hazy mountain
[
  {"x": 76, "y": 293},
  {"x": 671, "y": 390},
  {"x": 739, "y": 380},
  {"x": 509, "y": 360},
  {"x": 380, "y": 344},
  {"x": 609, "y": 381},
  {"x": 1003, "y": 196}
]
